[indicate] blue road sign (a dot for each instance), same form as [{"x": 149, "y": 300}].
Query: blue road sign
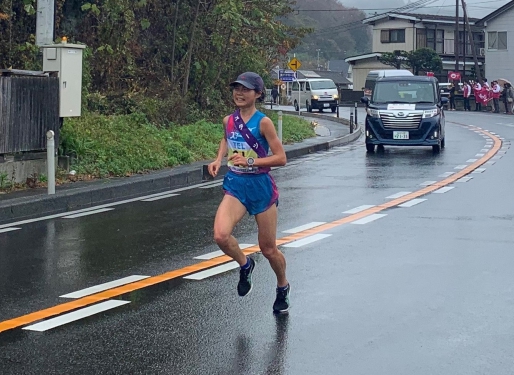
[{"x": 286, "y": 76}]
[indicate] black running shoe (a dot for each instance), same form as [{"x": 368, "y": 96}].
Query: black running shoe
[
  {"x": 244, "y": 287},
  {"x": 282, "y": 303}
]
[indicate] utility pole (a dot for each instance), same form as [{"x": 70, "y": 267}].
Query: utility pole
[
  {"x": 456, "y": 38},
  {"x": 472, "y": 42},
  {"x": 318, "y": 57},
  {"x": 45, "y": 22}
]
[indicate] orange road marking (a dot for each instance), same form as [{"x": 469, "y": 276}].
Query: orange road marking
[{"x": 121, "y": 290}]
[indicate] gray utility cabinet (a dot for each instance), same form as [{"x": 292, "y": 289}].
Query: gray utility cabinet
[{"x": 66, "y": 59}]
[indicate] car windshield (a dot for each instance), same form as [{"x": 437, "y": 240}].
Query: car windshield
[
  {"x": 404, "y": 92},
  {"x": 322, "y": 85}
]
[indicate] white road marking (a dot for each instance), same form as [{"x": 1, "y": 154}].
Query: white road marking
[
  {"x": 213, "y": 271},
  {"x": 75, "y": 315},
  {"x": 484, "y": 150},
  {"x": 471, "y": 160},
  {"x": 479, "y": 170},
  {"x": 307, "y": 240},
  {"x": 368, "y": 219},
  {"x": 447, "y": 174},
  {"x": 479, "y": 155},
  {"x": 359, "y": 209},
  {"x": 106, "y": 286},
  {"x": 159, "y": 197},
  {"x": 398, "y": 195},
  {"x": 460, "y": 166},
  {"x": 443, "y": 190},
  {"x": 301, "y": 228},
  {"x": 490, "y": 163},
  {"x": 212, "y": 185},
  {"x": 8, "y": 229},
  {"x": 427, "y": 183},
  {"x": 219, "y": 253},
  {"x": 464, "y": 179},
  {"x": 88, "y": 213},
  {"x": 497, "y": 157},
  {"x": 412, "y": 202}
]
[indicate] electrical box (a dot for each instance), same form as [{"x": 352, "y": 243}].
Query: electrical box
[{"x": 66, "y": 59}]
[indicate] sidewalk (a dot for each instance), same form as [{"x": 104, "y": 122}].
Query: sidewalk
[{"x": 27, "y": 204}]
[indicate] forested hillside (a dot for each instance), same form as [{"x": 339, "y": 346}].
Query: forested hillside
[
  {"x": 173, "y": 59},
  {"x": 338, "y": 31}
]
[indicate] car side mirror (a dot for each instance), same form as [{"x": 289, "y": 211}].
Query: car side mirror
[{"x": 444, "y": 101}]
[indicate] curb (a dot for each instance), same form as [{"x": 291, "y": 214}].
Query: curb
[{"x": 110, "y": 191}]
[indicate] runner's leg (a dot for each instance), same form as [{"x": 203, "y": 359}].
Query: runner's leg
[
  {"x": 230, "y": 212},
  {"x": 267, "y": 226}
]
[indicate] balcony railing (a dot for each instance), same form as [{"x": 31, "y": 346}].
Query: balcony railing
[{"x": 449, "y": 48}]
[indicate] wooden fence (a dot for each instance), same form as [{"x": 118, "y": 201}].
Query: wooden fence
[{"x": 29, "y": 107}]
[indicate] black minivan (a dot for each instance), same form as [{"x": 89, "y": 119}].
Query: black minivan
[{"x": 405, "y": 111}]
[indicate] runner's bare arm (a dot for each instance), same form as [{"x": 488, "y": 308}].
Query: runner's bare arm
[
  {"x": 215, "y": 166},
  {"x": 279, "y": 155}
]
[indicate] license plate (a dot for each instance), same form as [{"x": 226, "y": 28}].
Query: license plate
[
  {"x": 326, "y": 105},
  {"x": 400, "y": 135}
]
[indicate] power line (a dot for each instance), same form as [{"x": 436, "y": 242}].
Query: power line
[{"x": 390, "y": 9}]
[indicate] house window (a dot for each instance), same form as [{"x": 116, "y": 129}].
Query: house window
[
  {"x": 497, "y": 40},
  {"x": 435, "y": 40},
  {"x": 392, "y": 36}
]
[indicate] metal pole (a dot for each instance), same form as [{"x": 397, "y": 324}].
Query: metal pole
[
  {"x": 456, "y": 38},
  {"x": 50, "y": 160},
  {"x": 355, "y": 114},
  {"x": 472, "y": 42},
  {"x": 351, "y": 122},
  {"x": 337, "y": 110},
  {"x": 280, "y": 126}
]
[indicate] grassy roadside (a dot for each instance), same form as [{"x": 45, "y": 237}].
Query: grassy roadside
[{"x": 109, "y": 146}]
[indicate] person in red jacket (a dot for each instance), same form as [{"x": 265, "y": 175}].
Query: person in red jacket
[
  {"x": 467, "y": 94},
  {"x": 496, "y": 93}
]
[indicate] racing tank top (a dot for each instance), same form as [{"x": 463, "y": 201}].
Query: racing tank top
[{"x": 237, "y": 144}]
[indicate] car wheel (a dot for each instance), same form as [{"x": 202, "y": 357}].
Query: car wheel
[
  {"x": 443, "y": 143},
  {"x": 380, "y": 148},
  {"x": 370, "y": 147},
  {"x": 296, "y": 106},
  {"x": 334, "y": 109},
  {"x": 321, "y": 109},
  {"x": 436, "y": 148}
]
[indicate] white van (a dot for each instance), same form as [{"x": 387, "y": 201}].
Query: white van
[
  {"x": 376, "y": 74},
  {"x": 315, "y": 93}
]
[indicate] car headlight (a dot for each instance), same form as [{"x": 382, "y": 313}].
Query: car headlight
[
  {"x": 314, "y": 97},
  {"x": 336, "y": 96},
  {"x": 430, "y": 113},
  {"x": 374, "y": 112}
]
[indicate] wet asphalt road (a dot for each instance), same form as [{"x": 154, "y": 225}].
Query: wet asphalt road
[{"x": 427, "y": 289}]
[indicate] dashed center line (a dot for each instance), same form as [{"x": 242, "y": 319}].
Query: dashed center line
[
  {"x": 87, "y": 213},
  {"x": 368, "y": 219},
  {"x": 359, "y": 209},
  {"x": 304, "y": 227},
  {"x": 411, "y": 203},
  {"x": 307, "y": 240}
]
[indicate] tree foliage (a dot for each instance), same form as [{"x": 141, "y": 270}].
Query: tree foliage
[
  {"x": 173, "y": 58},
  {"x": 420, "y": 60}
]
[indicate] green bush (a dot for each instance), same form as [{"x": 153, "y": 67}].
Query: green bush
[{"x": 118, "y": 145}]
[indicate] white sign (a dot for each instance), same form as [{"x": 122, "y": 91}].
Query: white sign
[{"x": 401, "y": 107}]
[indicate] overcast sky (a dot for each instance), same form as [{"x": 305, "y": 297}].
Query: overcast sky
[{"x": 476, "y": 8}]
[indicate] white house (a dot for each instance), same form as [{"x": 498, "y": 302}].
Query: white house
[
  {"x": 405, "y": 31},
  {"x": 499, "y": 43}
]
